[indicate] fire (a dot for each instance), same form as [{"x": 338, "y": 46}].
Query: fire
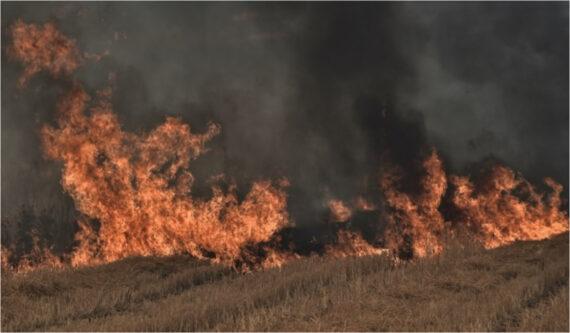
[
  {"x": 138, "y": 187},
  {"x": 134, "y": 190},
  {"x": 342, "y": 212},
  {"x": 5, "y": 258},
  {"x": 364, "y": 205},
  {"x": 339, "y": 211},
  {"x": 496, "y": 215},
  {"x": 415, "y": 224},
  {"x": 504, "y": 208},
  {"x": 351, "y": 244},
  {"x": 38, "y": 258},
  {"x": 42, "y": 48},
  {"x": 276, "y": 258}
]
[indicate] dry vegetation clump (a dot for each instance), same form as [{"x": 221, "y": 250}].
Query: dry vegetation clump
[{"x": 522, "y": 287}]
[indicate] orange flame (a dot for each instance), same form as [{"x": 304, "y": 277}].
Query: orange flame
[
  {"x": 340, "y": 212},
  {"x": 42, "y": 48},
  {"x": 416, "y": 219},
  {"x": 351, "y": 244},
  {"x": 5, "y": 254},
  {"x": 276, "y": 258},
  {"x": 494, "y": 216},
  {"x": 497, "y": 216},
  {"x": 134, "y": 190},
  {"x": 364, "y": 205},
  {"x": 38, "y": 258},
  {"x": 139, "y": 189}
]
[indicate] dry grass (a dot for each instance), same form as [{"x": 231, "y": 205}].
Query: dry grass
[{"x": 523, "y": 287}]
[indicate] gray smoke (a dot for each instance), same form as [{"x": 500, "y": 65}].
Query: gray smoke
[{"x": 316, "y": 92}]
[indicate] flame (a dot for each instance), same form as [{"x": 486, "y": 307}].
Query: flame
[
  {"x": 340, "y": 212},
  {"x": 497, "y": 216},
  {"x": 135, "y": 190},
  {"x": 39, "y": 257},
  {"x": 416, "y": 219},
  {"x": 364, "y": 205},
  {"x": 138, "y": 187},
  {"x": 494, "y": 215},
  {"x": 351, "y": 244},
  {"x": 42, "y": 48},
  {"x": 275, "y": 258},
  {"x": 5, "y": 255}
]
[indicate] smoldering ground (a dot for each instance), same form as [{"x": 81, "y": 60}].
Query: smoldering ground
[{"x": 315, "y": 92}]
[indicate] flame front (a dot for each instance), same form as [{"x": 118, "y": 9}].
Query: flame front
[
  {"x": 138, "y": 187},
  {"x": 504, "y": 209},
  {"x": 134, "y": 191}
]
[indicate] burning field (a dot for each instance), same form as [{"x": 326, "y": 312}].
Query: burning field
[{"x": 158, "y": 241}]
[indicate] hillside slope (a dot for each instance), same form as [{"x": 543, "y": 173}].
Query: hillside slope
[{"x": 520, "y": 287}]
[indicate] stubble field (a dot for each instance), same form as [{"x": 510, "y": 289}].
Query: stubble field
[{"x": 522, "y": 287}]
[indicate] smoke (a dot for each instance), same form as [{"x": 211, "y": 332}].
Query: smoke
[
  {"x": 492, "y": 81},
  {"x": 316, "y": 92}
]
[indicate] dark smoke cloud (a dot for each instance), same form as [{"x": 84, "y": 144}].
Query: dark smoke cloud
[
  {"x": 493, "y": 80},
  {"x": 316, "y": 92}
]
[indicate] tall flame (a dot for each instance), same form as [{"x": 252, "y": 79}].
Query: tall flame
[
  {"x": 138, "y": 187},
  {"x": 415, "y": 224}
]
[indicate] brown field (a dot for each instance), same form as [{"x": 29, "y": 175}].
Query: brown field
[{"x": 522, "y": 287}]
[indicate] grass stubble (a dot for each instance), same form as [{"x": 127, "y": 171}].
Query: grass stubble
[{"x": 521, "y": 287}]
